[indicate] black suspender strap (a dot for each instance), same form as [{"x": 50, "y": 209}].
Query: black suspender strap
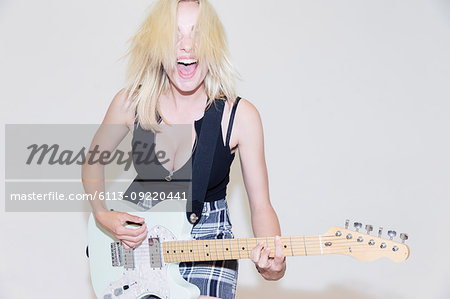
[
  {"x": 202, "y": 162},
  {"x": 230, "y": 123}
]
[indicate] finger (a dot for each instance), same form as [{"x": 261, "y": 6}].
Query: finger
[
  {"x": 263, "y": 262},
  {"x": 142, "y": 237},
  {"x": 130, "y": 235},
  {"x": 256, "y": 252},
  {"x": 279, "y": 255},
  {"x": 130, "y": 239},
  {"x": 136, "y": 231},
  {"x": 127, "y": 244},
  {"x": 139, "y": 243},
  {"x": 131, "y": 218},
  {"x": 126, "y": 231}
]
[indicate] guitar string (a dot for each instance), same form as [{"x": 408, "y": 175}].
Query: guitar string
[
  {"x": 231, "y": 257},
  {"x": 310, "y": 249},
  {"x": 176, "y": 245},
  {"x": 313, "y": 250},
  {"x": 338, "y": 244},
  {"x": 182, "y": 243}
]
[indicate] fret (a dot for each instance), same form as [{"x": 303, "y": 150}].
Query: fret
[
  {"x": 204, "y": 254},
  {"x": 284, "y": 246},
  {"x": 179, "y": 246},
  {"x": 172, "y": 246},
  {"x": 164, "y": 251},
  {"x": 302, "y": 251},
  {"x": 192, "y": 250},
  {"x": 202, "y": 245},
  {"x": 188, "y": 252},
  {"x": 223, "y": 249},
  {"x": 217, "y": 254},
  {"x": 198, "y": 247},
  {"x": 252, "y": 242},
  {"x": 239, "y": 249},
  {"x": 320, "y": 244},
  {"x": 304, "y": 242},
  {"x": 292, "y": 247},
  {"x": 176, "y": 250},
  {"x": 169, "y": 251},
  {"x": 227, "y": 249},
  {"x": 258, "y": 240},
  {"x": 183, "y": 254},
  {"x": 298, "y": 246},
  {"x": 195, "y": 250},
  {"x": 248, "y": 249},
  {"x": 208, "y": 248},
  {"x": 231, "y": 249}
]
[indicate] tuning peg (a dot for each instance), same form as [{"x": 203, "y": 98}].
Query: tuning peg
[
  {"x": 346, "y": 223},
  {"x": 392, "y": 234},
  {"x": 404, "y": 237},
  {"x": 369, "y": 228},
  {"x": 357, "y": 226},
  {"x": 380, "y": 231}
]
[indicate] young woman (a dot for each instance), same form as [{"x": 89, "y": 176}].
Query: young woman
[{"x": 178, "y": 66}]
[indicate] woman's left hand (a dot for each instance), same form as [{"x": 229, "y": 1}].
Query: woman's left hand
[{"x": 270, "y": 268}]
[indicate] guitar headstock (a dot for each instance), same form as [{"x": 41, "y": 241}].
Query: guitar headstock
[{"x": 364, "y": 246}]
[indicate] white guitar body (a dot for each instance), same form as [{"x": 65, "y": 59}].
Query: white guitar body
[{"x": 142, "y": 280}]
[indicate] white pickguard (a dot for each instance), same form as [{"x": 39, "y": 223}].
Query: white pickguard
[{"x": 116, "y": 282}]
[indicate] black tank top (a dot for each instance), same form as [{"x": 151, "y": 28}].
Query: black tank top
[{"x": 220, "y": 169}]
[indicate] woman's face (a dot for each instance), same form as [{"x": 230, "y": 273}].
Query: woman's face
[{"x": 189, "y": 72}]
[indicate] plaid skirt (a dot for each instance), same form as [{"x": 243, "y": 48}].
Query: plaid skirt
[{"x": 213, "y": 278}]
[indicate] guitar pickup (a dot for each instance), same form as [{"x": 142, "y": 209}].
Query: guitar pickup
[
  {"x": 154, "y": 251},
  {"x": 117, "y": 254},
  {"x": 121, "y": 256},
  {"x": 128, "y": 258}
]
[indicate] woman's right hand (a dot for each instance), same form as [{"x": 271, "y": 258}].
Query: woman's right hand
[{"x": 114, "y": 222}]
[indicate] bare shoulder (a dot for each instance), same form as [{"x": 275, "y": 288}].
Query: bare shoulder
[
  {"x": 122, "y": 98},
  {"x": 120, "y": 110},
  {"x": 247, "y": 122},
  {"x": 247, "y": 115}
]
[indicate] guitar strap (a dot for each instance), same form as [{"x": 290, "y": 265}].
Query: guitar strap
[{"x": 203, "y": 158}]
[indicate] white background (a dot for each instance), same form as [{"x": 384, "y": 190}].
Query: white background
[{"x": 354, "y": 98}]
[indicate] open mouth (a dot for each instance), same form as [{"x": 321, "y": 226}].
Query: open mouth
[{"x": 186, "y": 67}]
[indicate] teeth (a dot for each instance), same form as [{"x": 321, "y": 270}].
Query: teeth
[{"x": 187, "y": 61}]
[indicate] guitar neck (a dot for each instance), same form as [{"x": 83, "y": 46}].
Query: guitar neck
[
  {"x": 336, "y": 241},
  {"x": 230, "y": 249}
]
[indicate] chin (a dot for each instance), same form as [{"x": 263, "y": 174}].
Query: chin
[{"x": 190, "y": 85}]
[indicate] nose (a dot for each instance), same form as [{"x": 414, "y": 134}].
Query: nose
[{"x": 186, "y": 43}]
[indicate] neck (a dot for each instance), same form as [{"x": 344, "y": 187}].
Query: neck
[
  {"x": 177, "y": 106},
  {"x": 185, "y": 101}
]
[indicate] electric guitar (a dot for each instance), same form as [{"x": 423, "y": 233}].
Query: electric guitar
[{"x": 151, "y": 270}]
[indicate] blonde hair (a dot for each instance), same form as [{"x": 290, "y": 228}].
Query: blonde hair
[{"x": 154, "y": 46}]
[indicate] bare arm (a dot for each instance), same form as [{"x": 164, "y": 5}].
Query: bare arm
[
  {"x": 114, "y": 128},
  {"x": 263, "y": 217}
]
